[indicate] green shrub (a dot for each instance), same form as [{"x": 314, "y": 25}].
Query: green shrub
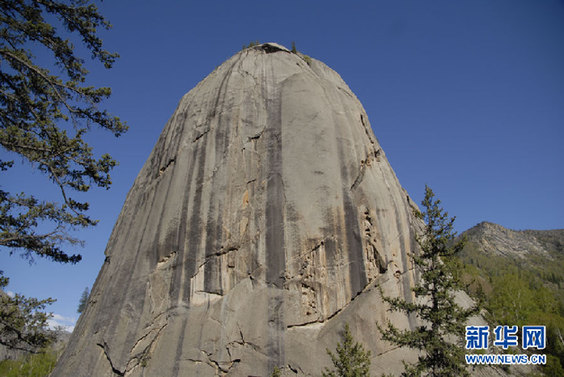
[
  {"x": 306, "y": 59},
  {"x": 32, "y": 365}
]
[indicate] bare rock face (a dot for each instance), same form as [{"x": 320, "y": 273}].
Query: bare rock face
[
  {"x": 494, "y": 239},
  {"x": 265, "y": 218}
]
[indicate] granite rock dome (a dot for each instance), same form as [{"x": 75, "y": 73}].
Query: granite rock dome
[{"x": 266, "y": 216}]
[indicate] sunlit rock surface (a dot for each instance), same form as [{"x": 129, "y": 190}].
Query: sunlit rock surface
[{"x": 266, "y": 217}]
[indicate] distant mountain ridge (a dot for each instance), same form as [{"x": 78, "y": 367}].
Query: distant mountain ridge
[
  {"x": 498, "y": 240},
  {"x": 518, "y": 275},
  {"x": 495, "y": 249}
]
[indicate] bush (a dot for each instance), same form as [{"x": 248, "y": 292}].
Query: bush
[
  {"x": 306, "y": 59},
  {"x": 32, "y": 365}
]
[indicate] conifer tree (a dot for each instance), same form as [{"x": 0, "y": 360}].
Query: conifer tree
[
  {"x": 23, "y": 324},
  {"x": 46, "y": 112},
  {"x": 351, "y": 359},
  {"x": 438, "y": 338},
  {"x": 83, "y": 301},
  {"x": 45, "y": 117}
]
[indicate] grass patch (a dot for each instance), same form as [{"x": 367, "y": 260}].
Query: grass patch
[{"x": 33, "y": 365}]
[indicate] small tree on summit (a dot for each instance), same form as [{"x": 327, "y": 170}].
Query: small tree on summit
[
  {"x": 442, "y": 320},
  {"x": 294, "y": 50}
]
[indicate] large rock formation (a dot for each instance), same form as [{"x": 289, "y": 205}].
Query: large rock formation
[
  {"x": 495, "y": 240},
  {"x": 266, "y": 217}
]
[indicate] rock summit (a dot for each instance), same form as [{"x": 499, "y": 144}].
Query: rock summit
[{"x": 266, "y": 217}]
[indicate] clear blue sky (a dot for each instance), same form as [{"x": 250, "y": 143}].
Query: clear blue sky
[{"x": 465, "y": 96}]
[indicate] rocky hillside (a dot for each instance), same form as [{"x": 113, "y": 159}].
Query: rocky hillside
[
  {"x": 494, "y": 239},
  {"x": 519, "y": 276},
  {"x": 495, "y": 249}
]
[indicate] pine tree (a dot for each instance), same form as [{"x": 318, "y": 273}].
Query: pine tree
[
  {"x": 45, "y": 117},
  {"x": 83, "y": 300},
  {"x": 439, "y": 336},
  {"x": 23, "y": 324},
  {"x": 351, "y": 359}
]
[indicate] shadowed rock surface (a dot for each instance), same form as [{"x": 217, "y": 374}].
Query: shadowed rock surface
[{"x": 266, "y": 217}]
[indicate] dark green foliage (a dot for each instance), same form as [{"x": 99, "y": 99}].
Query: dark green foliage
[
  {"x": 553, "y": 367},
  {"x": 351, "y": 359},
  {"x": 44, "y": 118},
  {"x": 555, "y": 343},
  {"x": 23, "y": 324},
  {"x": 83, "y": 300},
  {"x": 294, "y": 50},
  {"x": 439, "y": 315}
]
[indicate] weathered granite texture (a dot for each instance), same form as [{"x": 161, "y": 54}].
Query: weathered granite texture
[{"x": 266, "y": 217}]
